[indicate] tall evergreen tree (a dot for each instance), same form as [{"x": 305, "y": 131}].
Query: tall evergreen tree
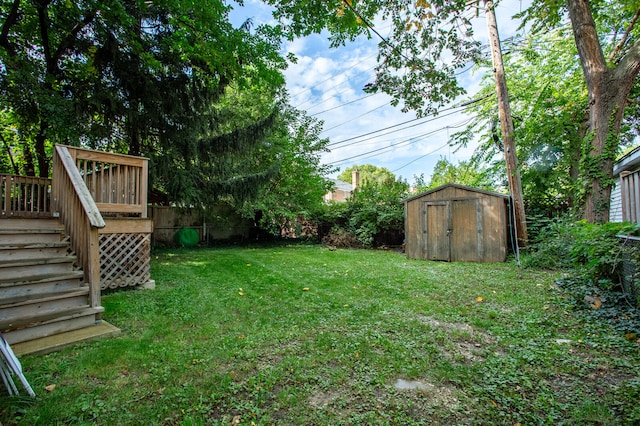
[{"x": 143, "y": 78}]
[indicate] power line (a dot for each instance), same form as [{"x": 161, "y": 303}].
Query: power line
[
  {"x": 422, "y": 156},
  {"x": 430, "y": 153},
  {"x": 335, "y": 75},
  {"x": 355, "y": 118},
  {"x": 409, "y": 141},
  {"x": 425, "y": 120},
  {"x": 344, "y": 104},
  {"x": 404, "y": 128}
]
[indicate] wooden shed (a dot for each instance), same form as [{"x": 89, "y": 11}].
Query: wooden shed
[{"x": 457, "y": 223}]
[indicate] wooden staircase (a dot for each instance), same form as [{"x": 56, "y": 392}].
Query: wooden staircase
[
  {"x": 51, "y": 283},
  {"x": 42, "y": 293}
]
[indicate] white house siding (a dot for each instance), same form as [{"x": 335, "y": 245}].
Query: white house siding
[
  {"x": 615, "y": 212},
  {"x": 629, "y": 163}
]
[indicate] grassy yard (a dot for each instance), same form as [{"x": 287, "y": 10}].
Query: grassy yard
[{"x": 304, "y": 335}]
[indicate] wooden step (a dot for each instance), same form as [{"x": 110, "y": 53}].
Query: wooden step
[
  {"x": 20, "y": 231},
  {"x": 58, "y": 341},
  {"x": 31, "y": 223},
  {"x": 18, "y": 269},
  {"x": 28, "y": 250},
  {"x": 24, "y": 312},
  {"x": 34, "y": 236},
  {"x": 40, "y": 284},
  {"x": 71, "y": 319}
]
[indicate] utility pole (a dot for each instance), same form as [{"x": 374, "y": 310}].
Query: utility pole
[{"x": 506, "y": 122}]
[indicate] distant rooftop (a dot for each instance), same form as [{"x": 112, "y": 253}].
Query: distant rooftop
[{"x": 341, "y": 185}]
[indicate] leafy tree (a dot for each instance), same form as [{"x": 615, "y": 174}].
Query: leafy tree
[
  {"x": 374, "y": 215},
  {"x": 469, "y": 173},
  {"x": 368, "y": 174},
  {"x": 171, "y": 80},
  {"x": 599, "y": 29},
  {"x": 548, "y": 101},
  {"x": 417, "y": 60},
  {"x": 294, "y": 196}
]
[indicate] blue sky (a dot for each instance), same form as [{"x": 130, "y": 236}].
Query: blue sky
[{"x": 328, "y": 83}]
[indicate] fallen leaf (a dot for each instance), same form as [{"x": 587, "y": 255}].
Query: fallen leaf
[
  {"x": 50, "y": 388},
  {"x": 631, "y": 336},
  {"x": 305, "y": 289},
  {"x": 479, "y": 299},
  {"x": 597, "y": 304},
  {"x": 236, "y": 420}
]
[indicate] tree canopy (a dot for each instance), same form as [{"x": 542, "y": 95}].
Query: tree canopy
[
  {"x": 174, "y": 81},
  {"x": 469, "y": 173},
  {"x": 368, "y": 173}
]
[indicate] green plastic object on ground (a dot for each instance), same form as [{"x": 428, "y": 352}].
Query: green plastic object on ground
[{"x": 187, "y": 237}]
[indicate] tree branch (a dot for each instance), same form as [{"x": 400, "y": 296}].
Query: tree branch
[
  {"x": 629, "y": 65},
  {"x": 68, "y": 41},
  {"x": 625, "y": 37},
  {"x": 16, "y": 171},
  {"x": 43, "y": 20},
  {"x": 12, "y": 18}
]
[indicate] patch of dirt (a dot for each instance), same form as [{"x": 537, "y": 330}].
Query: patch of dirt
[
  {"x": 323, "y": 399},
  {"x": 447, "y": 326},
  {"x": 466, "y": 344},
  {"x": 612, "y": 377},
  {"x": 439, "y": 394},
  {"x": 470, "y": 352}
]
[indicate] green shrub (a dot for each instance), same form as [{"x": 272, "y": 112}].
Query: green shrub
[
  {"x": 590, "y": 251},
  {"x": 551, "y": 248},
  {"x": 374, "y": 215}
]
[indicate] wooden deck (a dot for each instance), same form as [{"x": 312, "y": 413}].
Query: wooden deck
[{"x": 52, "y": 274}]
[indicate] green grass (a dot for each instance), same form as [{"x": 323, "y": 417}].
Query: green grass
[{"x": 304, "y": 335}]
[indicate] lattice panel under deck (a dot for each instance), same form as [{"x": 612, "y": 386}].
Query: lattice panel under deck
[{"x": 124, "y": 260}]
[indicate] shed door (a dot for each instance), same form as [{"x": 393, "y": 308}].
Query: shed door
[
  {"x": 466, "y": 238},
  {"x": 437, "y": 230},
  {"x": 453, "y": 230}
]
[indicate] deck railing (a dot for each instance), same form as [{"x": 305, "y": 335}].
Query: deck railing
[
  {"x": 118, "y": 185},
  {"x": 117, "y": 182},
  {"x": 25, "y": 196},
  {"x": 101, "y": 198},
  {"x": 80, "y": 215}
]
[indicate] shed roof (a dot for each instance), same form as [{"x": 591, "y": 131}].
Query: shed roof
[{"x": 455, "y": 185}]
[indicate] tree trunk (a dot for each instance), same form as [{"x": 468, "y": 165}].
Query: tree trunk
[
  {"x": 29, "y": 167},
  {"x": 506, "y": 121},
  {"x": 608, "y": 89},
  {"x": 41, "y": 154}
]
